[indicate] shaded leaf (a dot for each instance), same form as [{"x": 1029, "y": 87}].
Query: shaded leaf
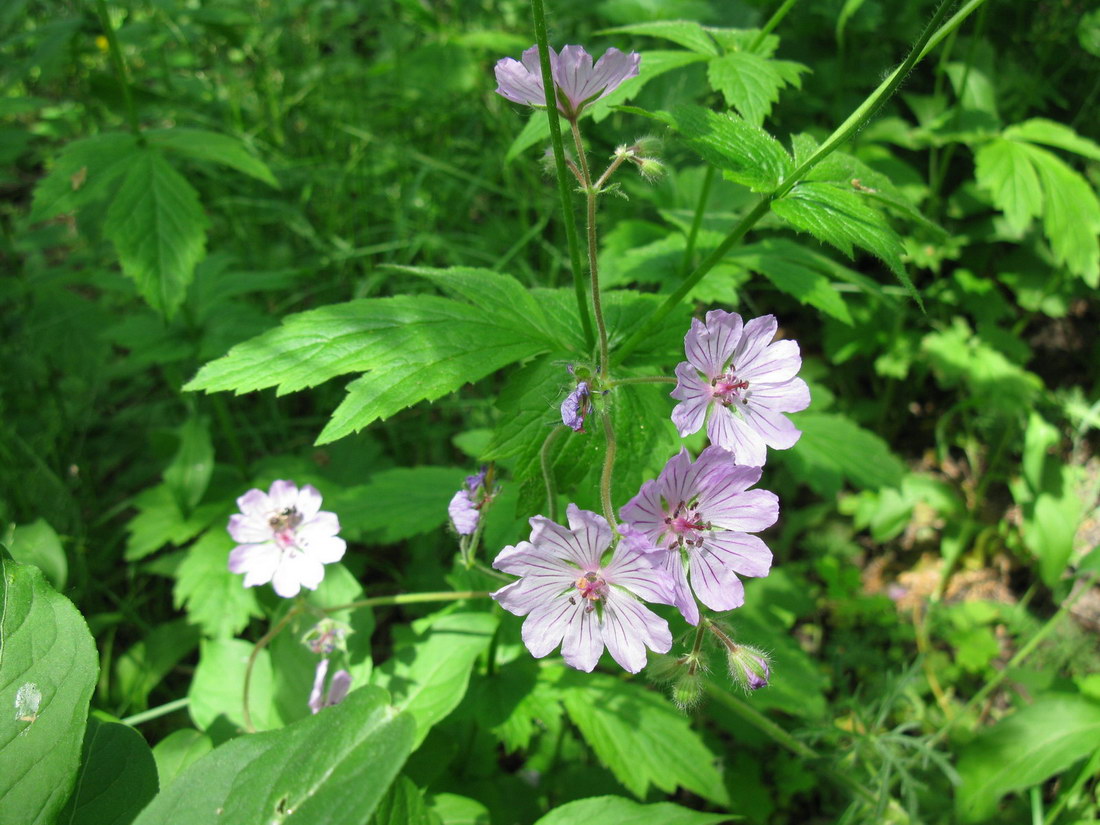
[
  {"x": 834, "y": 449},
  {"x": 1004, "y": 168},
  {"x": 403, "y": 804},
  {"x": 82, "y": 173},
  {"x": 215, "y": 599},
  {"x": 399, "y": 503},
  {"x": 37, "y": 543},
  {"x": 202, "y": 144},
  {"x": 177, "y": 750},
  {"x": 188, "y": 475}
]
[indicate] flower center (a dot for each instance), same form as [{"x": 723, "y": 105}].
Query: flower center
[
  {"x": 727, "y": 388},
  {"x": 591, "y": 587},
  {"x": 684, "y": 525},
  {"x": 283, "y": 524}
]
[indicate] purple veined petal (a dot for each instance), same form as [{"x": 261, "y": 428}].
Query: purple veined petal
[
  {"x": 696, "y": 397},
  {"x": 316, "y": 695},
  {"x": 790, "y": 396},
  {"x": 247, "y": 529},
  {"x": 463, "y": 513},
  {"x": 338, "y": 688},
  {"x": 738, "y": 552},
  {"x": 325, "y": 549},
  {"x": 255, "y": 503},
  {"x": 677, "y": 479},
  {"x": 775, "y": 428},
  {"x": 574, "y": 67},
  {"x": 716, "y": 585},
  {"x": 778, "y": 362},
  {"x": 715, "y": 342},
  {"x": 746, "y": 512},
  {"x": 521, "y": 82},
  {"x": 643, "y": 574},
  {"x": 593, "y": 534},
  {"x": 257, "y": 561},
  {"x": 612, "y": 70},
  {"x": 575, "y": 407},
  {"x": 731, "y": 433},
  {"x": 526, "y": 558},
  {"x": 309, "y": 504},
  {"x": 644, "y": 512},
  {"x": 283, "y": 495},
  {"x": 544, "y": 628},
  {"x": 629, "y": 628},
  {"x": 526, "y": 596},
  {"x": 561, "y": 543},
  {"x": 583, "y": 643},
  {"x": 755, "y": 336},
  {"x": 583, "y": 83},
  {"x": 685, "y": 601}
]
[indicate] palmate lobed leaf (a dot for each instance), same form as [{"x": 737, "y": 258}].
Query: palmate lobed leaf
[
  {"x": 202, "y": 144},
  {"x": 82, "y": 173},
  {"x": 751, "y": 83},
  {"x": 213, "y": 597}
]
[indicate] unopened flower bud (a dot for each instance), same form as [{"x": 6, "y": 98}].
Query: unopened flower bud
[
  {"x": 749, "y": 667},
  {"x": 650, "y": 168},
  {"x": 688, "y": 690}
]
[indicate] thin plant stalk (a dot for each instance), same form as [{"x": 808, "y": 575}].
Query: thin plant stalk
[
  {"x": 608, "y": 468},
  {"x": 591, "y": 193},
  {"x": 119, "y": 63}
]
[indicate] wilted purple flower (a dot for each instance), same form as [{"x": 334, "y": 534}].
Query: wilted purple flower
[
  {"x": 747, "y": 379},
  {"x": 337, "y": 689},
  {"x": 571, "y": 597},
  {"x": 465, "y": 506},
  {"x": 284, "y": 538},
  {"x": 576, "y": 406},
  {"x": 578, "y": 82},
  {"x": 699, "y": 515}
]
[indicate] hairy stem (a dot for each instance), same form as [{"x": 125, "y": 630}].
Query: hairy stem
[
  {"x": 564, "y": 190},
  {"x": 608, "y": 466},
  {"x": 548, "y": 471},
  {"x": 590, "y": 194},
  {"x": 267, "y": 638}
]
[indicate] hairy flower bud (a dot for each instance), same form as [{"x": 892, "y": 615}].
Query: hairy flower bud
[
  {"x": 749, "y": 666},
  {"x": 688, "y": 690}
]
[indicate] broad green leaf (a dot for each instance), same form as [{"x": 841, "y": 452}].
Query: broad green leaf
[
  {"x": 189, "y": 473},
  {"x": 686, "y": 33},
  {"x": 177, "y": 750},
  {"x": 158, "y": 228},
  {"x": 797, "y": 271},
  {"x": 1072, "y": 217},
  {"x": 37, "y": 543},
  {"x": 145, "y": 664},
  {"x": 1051, "y": 522},
  {"x": 48, "y": 668},
  {"x": 834, "y": 449},
  {"x": 160, "y": 522},
  {"x": 1052, "y": 133},
  {"x": 82, "y": 173},
  {"x": 745, "y": 153},
  {"x": 118, "y": 776},
  {"x": 751, "y": 83},
  {"x": 201, "y": 144},
  {"x": 514, "y": 704},
  {"x": 214, "y": 599},
  {"x": 453, "y": 809},
  {"x": 403, "y": 804},
  {"x": 428, "y": 676},
  {"x": 842, "y": 217},
  {"x": 332, "y": 767},
  {"x": 1004, "y": 168},
  {"x": 398, "y": 503},
  {"x": 1027, "y": 748},
  {"x": 217, "y": 690},
  {"x": 641, "y": 738},
  {"x": 627, "y": 812}
]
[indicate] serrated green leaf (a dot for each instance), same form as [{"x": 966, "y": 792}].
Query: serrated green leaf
[
  {"x": 37, "y": 543},
  {"x": 158, "y": 228},
  {"x": 1004, "y": 168},
  {"x": 188, "y": 475},
  {"x": 1072, "y": 216},
  {"x": 686, "y": 33},
  {"x": 751, "y": 83},
  {"x": 82, "y": 173},
  {"x": 797, "y": 271},
  {"x": 403, "y": 804},
  {"x": 746, "y": 154},
  {"x": 117, "y": 778},
  {"x": 1052, "y": 133},
  {"x": 428, "y": 676},
  {"x": 1059, "y": 729},
  {"x": 332, "y": 767},
  {"x": 641, "y": 737},
  {"x": 202, "y": 144},
  {"x": 177, "y": 750},
  {"x": 215, "y": 599},
  {"x": 834, "y": 449},
  {"x": 842, "y": 217},
  {"x": 160, "y": 522},
  {"x": 398, "y": 503},
  {"x": 48, "y": 669},
  {"x": 627, "y": 812}
]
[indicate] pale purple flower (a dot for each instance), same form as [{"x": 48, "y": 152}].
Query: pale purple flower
[
  {"x": 578, "y": 82},
  {"x": 571, "y": 597},
  {"x": 746, "y": 380},
  {"x": 284, "y": 538},
  {"x": 338, "y": 687},
  {"x": 576, "y": 406},
  {"x": 699, "y": 517},
  {"x": 465, "y": 506}
]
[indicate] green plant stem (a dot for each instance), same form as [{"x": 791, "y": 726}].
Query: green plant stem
[
  {"x": 773, "y": 21},
  {"x": 538, "y": 13},
  {"x": 930, "y": 37},
  {"x": 608, "y": 467},
  {"x": 781, "y": 737},
  {"x": 120, "y": 68},
  {"x": 267, "y": 638},
  {"x": 157, "y": 712},
  {"x": 642, "y": 379},
  {"x": 1021, "y": 654},
  {"x": 548, "y": 471},
  {"x": 591, "y": 192},
  {"x": 1087, "y": 772},
  {"x": 410, "y": 598},
  {"x": 697, "y": 221}
]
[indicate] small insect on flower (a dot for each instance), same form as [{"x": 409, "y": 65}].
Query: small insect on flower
[{"x": 284, "y": 538}]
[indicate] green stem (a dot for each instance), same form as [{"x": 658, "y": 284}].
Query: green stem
[
  {"x": 780, "y": 736},
  {"x": 773, "y": 21},
  {"x": 548, "y": 471},
  {"x": 260, "y": 645},
  {"x": 697, "y": 221},
  {"x": 410, "y": 598},
  {"x": 157, "y": 712},
  {"x": 608, "y": 466},
  {"x": 642, "y": 379},
  {"x": 120, "y": 68},
  {"x": 930, "y": 37},
  {"x": 590, "y": 194},
  {"x": 564, "y": 189},
  {"x": 1088, "y": 771}
]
